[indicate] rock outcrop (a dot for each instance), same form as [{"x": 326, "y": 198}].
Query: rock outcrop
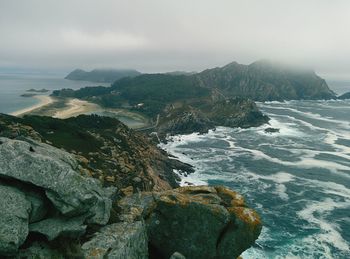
[
  {"x": 70, "y": 193},
  {"x": 118, "y": 241},
  {"x": 52, "y": 208},
  {"x": 105, "y": 149},
  {"x": 197, "y": 222},
  {"x": 43, "y": 193},
  {"x": 206, "y": 114},
  {"x": 14, "y": 219},
  {"x": 344, "y": 96},
  {"x": 183, "y": 120}
]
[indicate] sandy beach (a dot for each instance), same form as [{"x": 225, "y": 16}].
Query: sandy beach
[
  {"x": 76, "y": 107},
  {"x": 44, "y": 100}
]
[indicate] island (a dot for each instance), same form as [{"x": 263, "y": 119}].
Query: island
[
  {"x": 43, "y": 90},
  {"x": 101, "y": 75}
]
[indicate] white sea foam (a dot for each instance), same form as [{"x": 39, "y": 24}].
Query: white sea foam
[
  {"x": 285, "y": 128},
  {"x": 329, "y": 232},
  {"x": 190, "y": 179},
  {"x": 304, "y": 162},
  {"x": 330, "y": 138},
  {"x": 314, "y": 116},
  {"x": 244, "y": 144}
]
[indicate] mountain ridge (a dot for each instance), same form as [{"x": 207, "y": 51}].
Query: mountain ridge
[
  {"x": 265, "y": 80},
  {"x": 101, "y": 75}
]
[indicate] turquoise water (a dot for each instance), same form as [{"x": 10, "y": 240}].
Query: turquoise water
[
  {"x": 12, "y": 86},
  {"x": 298, "y": 179}
]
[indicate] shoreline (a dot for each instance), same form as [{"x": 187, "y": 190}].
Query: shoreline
[
  {"x": 44, "y": 100},
  {"x": 63, "y": 108}
]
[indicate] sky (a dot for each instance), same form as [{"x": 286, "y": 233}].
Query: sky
[{"x": 169, "y": 35}]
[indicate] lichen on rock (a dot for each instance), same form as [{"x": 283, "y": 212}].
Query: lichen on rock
[{"x": 196, "y": 221}]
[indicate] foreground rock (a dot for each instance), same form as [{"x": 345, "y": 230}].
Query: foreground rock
[
  {"x": 50, "y": 210},
  {"x": 104, "y": 148},
  {"x": 197, "y": 222},
  {"x": 14, "y": 219},
  {"x": 44, "y": 193},
  {"x": 55, "y": 171},
  {"x": 118, "y": 241}
]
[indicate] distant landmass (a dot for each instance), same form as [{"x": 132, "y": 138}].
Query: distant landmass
[
  {"x": 43, "y": 90},
  {"x": 265, "y": 81},
  {"x": 177, "y": 73},
  {"x": 223, "y": 96},
  {"x": 101, "y": 75}
]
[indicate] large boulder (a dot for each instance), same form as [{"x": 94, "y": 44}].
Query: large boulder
[
  {"x": 197, "y": 222},
  {"x": 118, "y": 241},
  {"x": 56, "y": 226},
  {"x": 43, "y": 192},
  {"x": 14, "y": 219},
  {"x": 39, "y": 250},
  {"x": 55, "y": 171}
]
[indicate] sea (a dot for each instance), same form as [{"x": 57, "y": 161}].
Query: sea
[
  {"x": 298, "y": 179},
  {"x": 12, "y": 86}
]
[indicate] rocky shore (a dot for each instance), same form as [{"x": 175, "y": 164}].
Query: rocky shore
[
  {"x": 89, "y": 187},
  {"x": 205, "y": 114}
]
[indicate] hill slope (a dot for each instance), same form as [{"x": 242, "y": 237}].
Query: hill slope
[
  {"x": 265, "y": 81},
  {"x": 101, "y": 75},
  {"x": 106, "y": 149}
]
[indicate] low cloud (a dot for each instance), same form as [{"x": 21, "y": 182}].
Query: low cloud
[
  {"x": 161, "y": 35},
  {"x": 102, "y": 41}
]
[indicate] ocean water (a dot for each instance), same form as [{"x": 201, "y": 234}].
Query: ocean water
[
  {"x": 13, "y": 85},
  {"x": 298, "y": 179}
]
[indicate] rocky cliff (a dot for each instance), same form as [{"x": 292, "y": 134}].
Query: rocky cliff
[
  {"x": 265, "y": 81},
  {"x": 204, "y": 114},
  {"x": 109, "y": 197},
  {"x": 50, "y": 210},
  {"x": 104, "y": 147}
]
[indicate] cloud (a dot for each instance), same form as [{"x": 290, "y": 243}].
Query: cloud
[
  {"x": 106, "y": 40},
  {"x": 161, "y": 35}
]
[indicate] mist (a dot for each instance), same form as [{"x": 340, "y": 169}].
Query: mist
[{"x": 162, "y": 35}]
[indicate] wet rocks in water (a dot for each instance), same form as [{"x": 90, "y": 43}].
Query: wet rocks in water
[{"x": 272, "y": 130}]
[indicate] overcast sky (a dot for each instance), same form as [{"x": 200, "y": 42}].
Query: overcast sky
[{"x": 165, "y": 35}]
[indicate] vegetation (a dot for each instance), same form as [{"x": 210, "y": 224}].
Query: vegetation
[
  {"x": 147, "y": 94},
  {"x": 101, "y": 75}
]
